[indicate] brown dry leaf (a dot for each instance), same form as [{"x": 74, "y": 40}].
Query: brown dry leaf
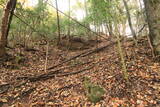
[{"x": 3, "y": 100}]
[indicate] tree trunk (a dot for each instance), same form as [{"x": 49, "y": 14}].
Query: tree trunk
[
  {"x": 86, "y": 15},
  {"x": 129, "y": 19},
  {"x": 58, "y": 24},
  {"x": 6, "y": 21},
  {"x": 110, "y": 28},
  {"x": 69, "y": 14},
  {"x": 153, "y": 18}
]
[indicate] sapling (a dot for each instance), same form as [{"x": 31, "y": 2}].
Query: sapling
[{"x": 124, "y": 69}]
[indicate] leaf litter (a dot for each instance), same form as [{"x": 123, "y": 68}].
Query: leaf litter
[{"x": 103, "y": 68}]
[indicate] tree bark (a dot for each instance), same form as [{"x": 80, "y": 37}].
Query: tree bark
[
  {"x": 152, "y": 8},
  {"x": 6, "y": 21}
]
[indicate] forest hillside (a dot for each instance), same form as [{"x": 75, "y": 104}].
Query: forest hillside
[{"x": 79, "y": 53}]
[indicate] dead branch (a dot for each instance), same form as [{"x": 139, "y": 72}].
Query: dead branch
[
  {"x": 52, "y": 74},
  {"x": 68, "y": 60},
  {"x": 96, "y": 50},
  {"x": 77, "y": 72},
  {"x": 83, "y": 54}
]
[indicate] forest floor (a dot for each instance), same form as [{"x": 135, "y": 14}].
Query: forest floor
[{"x": 24, "y": 83}]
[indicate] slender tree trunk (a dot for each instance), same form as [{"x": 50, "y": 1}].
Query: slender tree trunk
[
  {"x": 142, "y": 17},
  {"x": 86, "y": 8},
  {"x": 106, "y": 29},
  {"x": 58, "y": 24},
  {"x": 86, "y": 13},
  {"x": 69, "y": 14},
  {"x": 110, "y": 28},
  {"x": 153, "y": 18},
  {"x": 129, "y": 19},
  {"x": 124, "y": 27},
  {"x": 6, "y": 21}
]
